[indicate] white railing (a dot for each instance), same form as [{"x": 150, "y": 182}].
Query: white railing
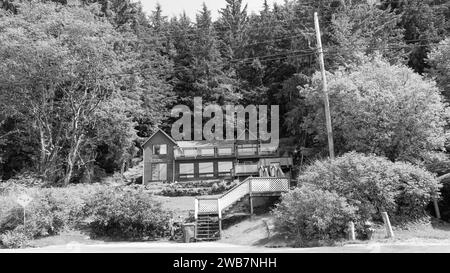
[
  {"x": 234, "y": 195},
  {"x": 269, "y": 184},
  {"x": 216, "y": 205}
]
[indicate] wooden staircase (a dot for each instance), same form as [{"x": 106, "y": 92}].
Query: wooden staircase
[
  {"x": 207, "y": 227},
  {"x": 209, "y": 211}
]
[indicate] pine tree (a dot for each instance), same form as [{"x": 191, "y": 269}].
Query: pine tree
[{"x": 233, "y": 25}]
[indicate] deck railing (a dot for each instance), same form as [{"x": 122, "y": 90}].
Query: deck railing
[
  {"x": 251, "y": 185},
  {"x": 224, "y": 151}
]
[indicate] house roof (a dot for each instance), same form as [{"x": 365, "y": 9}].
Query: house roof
[{"x": 164, "y": 133}]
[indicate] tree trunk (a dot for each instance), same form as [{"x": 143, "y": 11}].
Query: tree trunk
[{"x": 71, "y": 158}]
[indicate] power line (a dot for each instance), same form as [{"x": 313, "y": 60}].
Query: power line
[
  {"x": 331, "y": 50},
  {"x": 193, "y": 32}
]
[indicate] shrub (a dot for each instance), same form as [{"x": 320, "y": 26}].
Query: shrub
[
  {"x": 16, "y": 238},
  {"x": 123, "y": 212},
  {"x": 366, "y": 181},
  {"x": 416, "y": 188},
  {"x": 51, "y": 210},
  {"x": 373, "y": 183},
  {"x": 310, "y": 215},
  {"x": 179, "y": 190},
  {"x": 126, "y": 214},
  {"x": 222, "y": 187},
  {"x": 197, "y": 188}
]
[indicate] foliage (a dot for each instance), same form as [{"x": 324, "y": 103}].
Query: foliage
[
  {"x": 126, "y": 214},
  {"x": 309, "y": 214},
  {"x": 222, "y": 187},
  {"x": 202, "y": 71},
  {"x": 424, "y": 22},
  {"x": 197, "y": 188},
  {"x": 373, "y": 184},
  {"x": 439, "y": 60},
  {"x": 135, "y": 67},
  {"x": 416, "y": 189},
  {"x": 51, "y": 211},
  {"x": 76, "y": 83},
  {"x": 179, "y": 190},
  {"x": 14, "y": 239},
  {"x": 364, "y": 29},
  {"x": 379, "y": 108}
]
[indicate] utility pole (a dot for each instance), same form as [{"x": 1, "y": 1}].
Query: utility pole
[{"x": 325, "y": 88}]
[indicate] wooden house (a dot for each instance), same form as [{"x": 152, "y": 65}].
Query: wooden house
[{"x": 168, "y": 160}]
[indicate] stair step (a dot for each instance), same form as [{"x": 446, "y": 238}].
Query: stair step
[
  {"x": 208, "y": 238},
  {"x": 210, "y": 234},
  {"x": 208, "y": 228}
]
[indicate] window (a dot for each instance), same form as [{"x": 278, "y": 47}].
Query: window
[
  {"x": 225, "y": 167},
  {"x": 187, "y": 170},
  {"x": 207, "y": 152},
  {"x": 160, "y": 149},
  {"x": 225, "y": 151},
  {"x": 190, "y": 152},
  {"x": 159, "y": 172},
  {"x": 206, "y": 169},
  {"x": 268, "y": 149},
  {"x": 247, "y": 150}
]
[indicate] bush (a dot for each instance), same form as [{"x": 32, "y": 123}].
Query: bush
[
  {"x": 310, "y": 215},
  {"x": 51, "y": 211},
  {"x": 124, "y": 212},
  {"x": 179, "y": 190},
  {"x": 127, "y": 214},
  {"x": 416, "y": 188},
  {"x": 16, "y": 238},
  {"x": 222, "y": 187},
  {"x": 197, "y": 188},
  {"x": 373, "y": 183}
]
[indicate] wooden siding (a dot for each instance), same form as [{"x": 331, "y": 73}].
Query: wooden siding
[{"x": 149, "y": 158}]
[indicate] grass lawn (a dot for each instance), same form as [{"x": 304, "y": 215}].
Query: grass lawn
[
  {"x": 64, "y": 238},
  {"x": 255, "y": 232},
  {"x": 433, "y": 230},
  {"x": 180, "y": 206}
]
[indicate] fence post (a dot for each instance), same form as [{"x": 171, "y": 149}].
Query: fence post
[
  {"x": 250, "y": 196},
  {"x": 219, "y": 214},
  {"x": 436, "y": 208},
  {"x": 387, "y": 223},
  {"x": 219, "y": 208},
  {"x": 351, "y": 231},
  {"x": 196, "y": 208}
]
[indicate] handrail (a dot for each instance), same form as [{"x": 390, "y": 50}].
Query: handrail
[
  {"x": 222, "y": 195},
  {"x": 216, "y": 204}
]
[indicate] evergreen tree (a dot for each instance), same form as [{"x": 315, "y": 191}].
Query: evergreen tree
[{"x": 233, "y": 26}]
